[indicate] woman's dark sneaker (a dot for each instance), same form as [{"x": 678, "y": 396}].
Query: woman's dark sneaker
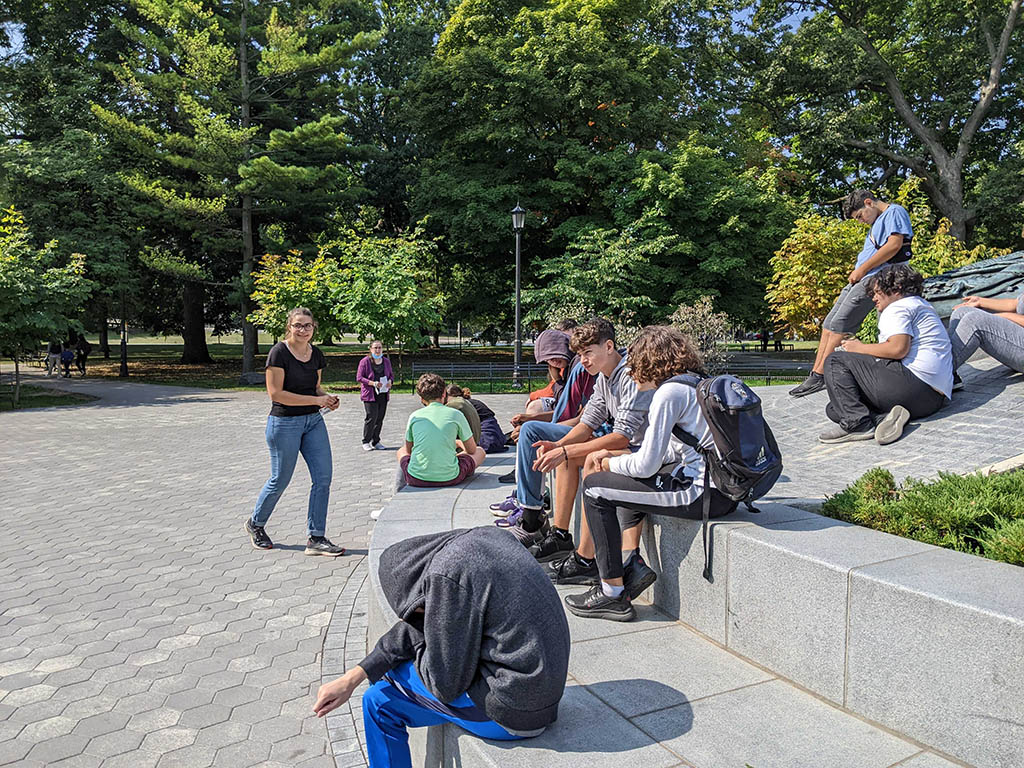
[
  {"x": 813, "y": 383},
  {"x": 556, "y": 545},
  {"x": 572, "y": 570},
  {"x": 638, "y": 576},
  {"x": 259, "y": 537},
  {"x": 321, "y": 545},
  {"x": 509, "y": 478},
  {"x": 529, "y": 538},
  {"x": 595, "y": 604}
]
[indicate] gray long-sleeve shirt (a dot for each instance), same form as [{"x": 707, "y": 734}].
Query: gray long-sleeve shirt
[{"x": 617, "y": 399}]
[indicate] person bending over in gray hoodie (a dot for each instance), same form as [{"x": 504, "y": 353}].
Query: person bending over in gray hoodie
[{"x": 482, "y": 642}]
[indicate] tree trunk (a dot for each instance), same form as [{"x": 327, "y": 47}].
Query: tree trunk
[
  {"x": 249, "y": 336},
  {"x": 103, "y": 321},
  {"x": 194, "y": 331},
  {"x": 437, "y": 338}
]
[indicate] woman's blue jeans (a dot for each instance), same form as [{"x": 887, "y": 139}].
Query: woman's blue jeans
[
  {"x": 287, "y": 437},
  {"x": 402, "y": 701}
]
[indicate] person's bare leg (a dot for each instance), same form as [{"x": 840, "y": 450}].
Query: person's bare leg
[
  {"x": 585, "y": 547},
  {"x": 535, "y": 406},
  {"x": 826, "y": 346},
  {"x": 567, "y": 484},
  {"x": 478, "y": 456}
]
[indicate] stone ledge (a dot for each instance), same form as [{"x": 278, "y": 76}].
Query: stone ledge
[
  {"x": 860, "y": 619},
  {"x": 925, "y": 641}
]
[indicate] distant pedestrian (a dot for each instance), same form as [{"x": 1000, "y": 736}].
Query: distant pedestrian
[
  {"x": 82, "y": 349},
  {"x": 375, "y": 377},
  {"x": 67, "y": 357},
  {"x": 295, "y": 425},
  {"x": 53, "y": 358}
]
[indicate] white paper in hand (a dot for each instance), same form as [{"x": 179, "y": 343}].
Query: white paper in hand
[{"x": 385, "y": 385}]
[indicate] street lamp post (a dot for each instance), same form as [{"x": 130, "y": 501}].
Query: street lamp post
[{"x": 518, "y": 221}]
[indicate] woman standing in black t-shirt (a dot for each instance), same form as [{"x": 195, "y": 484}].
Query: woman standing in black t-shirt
[{"x": 295, "y": 426}]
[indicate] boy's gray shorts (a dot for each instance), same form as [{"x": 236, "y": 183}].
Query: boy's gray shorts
[{"x": 850, "y": 309}]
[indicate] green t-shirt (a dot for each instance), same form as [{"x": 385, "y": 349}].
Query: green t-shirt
[{"x": 432, "y": 431}]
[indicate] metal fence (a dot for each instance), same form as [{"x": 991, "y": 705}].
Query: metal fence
[{"x": 503, "y": 375}]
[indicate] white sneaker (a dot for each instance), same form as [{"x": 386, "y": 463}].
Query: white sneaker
[
  {"x": 375, "y": 514},
  {"x": 367, "y": 447}
]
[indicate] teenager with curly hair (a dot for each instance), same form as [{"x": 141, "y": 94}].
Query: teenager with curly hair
[{"x": 875, "y": 389}]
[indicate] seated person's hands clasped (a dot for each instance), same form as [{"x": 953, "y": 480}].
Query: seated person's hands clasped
[
  {"x": 549, "y": 455},
  {"x": 852, "y": 344}
]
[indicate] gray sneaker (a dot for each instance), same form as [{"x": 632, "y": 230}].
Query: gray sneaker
[
  {"x": 890, "y": 428},
  {"x": 836, "y": 434},
  {"x": 529, "y": 539}
]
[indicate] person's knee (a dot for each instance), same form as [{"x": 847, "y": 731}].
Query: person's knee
[{"x": 375, "y": 698}]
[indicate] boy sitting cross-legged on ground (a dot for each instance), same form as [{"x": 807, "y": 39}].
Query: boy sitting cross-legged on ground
[
  {"x": 439, "y": 447},
  {"x": 664, "y": 477},
  {"x": 546, "y": 447}
]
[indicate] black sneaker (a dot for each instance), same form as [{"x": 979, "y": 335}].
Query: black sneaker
[
  {"x": 259, "y": 537},
  {"x": 638, "y": 576},
  {"x": 570, "y": 570},
  {"x": 595, "y": 604},
  {"x": 813, "y": 383},
  {"x": 509, "y": 478},
  {"x": 321, "y": 545},
  {"x": 553, "y": 546},
  {"x": 958, "y": 383}
]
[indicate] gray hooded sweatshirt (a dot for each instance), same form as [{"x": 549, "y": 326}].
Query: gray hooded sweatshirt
[{"x": 492, "y": 624}]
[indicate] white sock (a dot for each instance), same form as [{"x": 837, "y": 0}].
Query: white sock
[{"x": 610, "y": 590}]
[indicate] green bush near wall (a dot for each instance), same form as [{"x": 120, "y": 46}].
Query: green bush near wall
[{"x": 980, "y": 515}]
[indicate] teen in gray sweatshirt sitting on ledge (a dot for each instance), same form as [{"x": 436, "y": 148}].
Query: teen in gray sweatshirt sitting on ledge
[{"x": 482, "y": 642}]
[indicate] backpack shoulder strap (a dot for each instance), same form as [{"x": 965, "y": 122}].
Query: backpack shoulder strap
[{"x": 692, "y": 380}]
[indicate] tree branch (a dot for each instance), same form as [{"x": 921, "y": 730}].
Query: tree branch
[
  {"x": 917, "y": 164},
  {"x": 903, "y": 108},
  {"x": 988, "y": 91}
]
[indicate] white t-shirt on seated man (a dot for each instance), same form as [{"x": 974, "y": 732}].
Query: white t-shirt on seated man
[{"x": 931, "y": 356}]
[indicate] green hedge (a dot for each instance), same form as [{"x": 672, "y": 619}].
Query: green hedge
[{"x": 980, "y": 515}]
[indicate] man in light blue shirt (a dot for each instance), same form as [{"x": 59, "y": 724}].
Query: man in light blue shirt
[{"x": 887, "y": 242}]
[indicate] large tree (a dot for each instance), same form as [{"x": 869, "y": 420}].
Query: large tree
[
  {"x": 865, "y": 88},
  {"x": 225, "y": 124}
]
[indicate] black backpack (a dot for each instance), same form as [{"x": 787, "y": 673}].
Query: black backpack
[{"x": 746, "y": 461}]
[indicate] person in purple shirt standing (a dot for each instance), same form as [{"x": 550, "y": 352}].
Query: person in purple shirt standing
[{"x": 375, "y": 377}]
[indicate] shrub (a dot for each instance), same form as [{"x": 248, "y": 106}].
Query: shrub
[
  {"x": 707, "y": 329},
  {"x": 980, "y": 515}
]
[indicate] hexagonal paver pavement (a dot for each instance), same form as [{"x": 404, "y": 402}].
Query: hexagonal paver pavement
[{"x": 138, "y": 627}]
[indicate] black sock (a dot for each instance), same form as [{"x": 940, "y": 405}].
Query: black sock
[
  {"x": 815, "y": 375},
  {"x": 582, "y": 560},
  {"x": 562, "y": 533},
  {"x": 533, "y": 519}
]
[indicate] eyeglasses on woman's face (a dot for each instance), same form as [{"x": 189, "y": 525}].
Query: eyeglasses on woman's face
[{"x": 302, "y": 326}]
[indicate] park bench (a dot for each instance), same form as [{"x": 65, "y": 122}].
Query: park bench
[{"x": 531, "y": 375}]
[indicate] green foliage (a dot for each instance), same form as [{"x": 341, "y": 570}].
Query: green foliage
[
  {"x": 975, "y": 514},
  {"x": 371, "y": 285},
  {"x": 602, "y": 270},
  {"x": 40, "y": 294},
  {"x": 811, "y": 268},
  {"x": 381, "y": 295},
  {"x": 283, "y": 283}
]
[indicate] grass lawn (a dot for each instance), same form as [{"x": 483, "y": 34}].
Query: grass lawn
[{"x": 39, "y": 397}]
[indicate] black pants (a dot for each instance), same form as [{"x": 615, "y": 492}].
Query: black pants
[
  {"x": 614, "y": 502},
  {"x": 374, "y": 419},
  {"x": 80, "y": 362},
  {"x": 861, "y": 386}
]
